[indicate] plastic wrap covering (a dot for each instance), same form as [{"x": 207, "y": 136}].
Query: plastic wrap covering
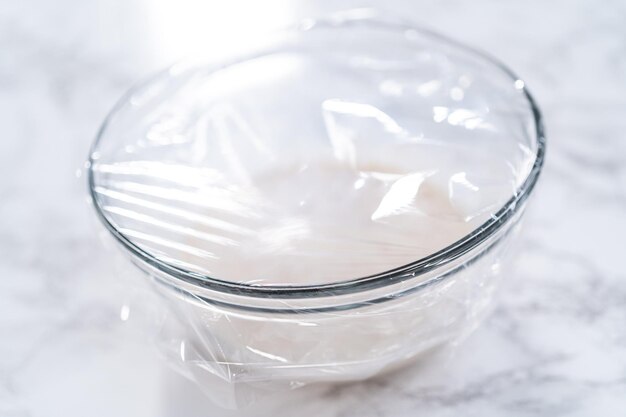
[{"x": 323, "y": 208}]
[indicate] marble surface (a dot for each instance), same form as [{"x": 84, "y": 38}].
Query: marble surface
[{"x": 556, "y": 343}]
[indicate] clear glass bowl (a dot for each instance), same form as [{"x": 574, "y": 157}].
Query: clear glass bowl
[{"x": 471, "y": 120}]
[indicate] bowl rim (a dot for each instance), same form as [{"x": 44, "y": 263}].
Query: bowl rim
[{"x": 410, "y": 271}]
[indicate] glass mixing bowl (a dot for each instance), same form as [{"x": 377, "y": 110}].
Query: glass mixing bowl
[{"x": 381, "y": 93}]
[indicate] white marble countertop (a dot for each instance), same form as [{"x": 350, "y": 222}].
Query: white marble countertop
[{"x": 556, "y": 344}]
